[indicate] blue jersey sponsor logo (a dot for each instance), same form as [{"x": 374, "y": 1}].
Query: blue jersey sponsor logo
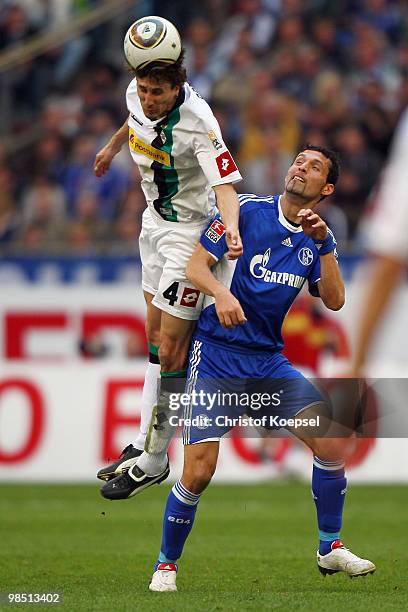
[{"x": 258, "y": 269}]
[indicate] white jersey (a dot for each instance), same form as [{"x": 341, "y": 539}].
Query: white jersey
[
  {"x": 180, "y": 157},
  {"x": 386, "y": 231}
]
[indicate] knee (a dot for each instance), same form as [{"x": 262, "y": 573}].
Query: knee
[
  {"x": 172, "y": 354},
  {"x": 198, "y": 476},
  {"x": 166, "y": 353},
  {"x": 329, "y": 449}
]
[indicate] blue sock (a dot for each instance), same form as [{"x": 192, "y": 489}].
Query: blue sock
[
  {"x": 177, "y": 522},
  {"x": 328, "y": 487}
]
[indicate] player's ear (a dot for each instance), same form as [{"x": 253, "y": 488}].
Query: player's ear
[{"x": 327, "y": 189}]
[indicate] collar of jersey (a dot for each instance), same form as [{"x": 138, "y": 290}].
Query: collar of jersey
[{"x": 285, "y": 222}]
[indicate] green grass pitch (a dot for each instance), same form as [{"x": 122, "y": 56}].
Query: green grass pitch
[{"x": 252, "y": 548}]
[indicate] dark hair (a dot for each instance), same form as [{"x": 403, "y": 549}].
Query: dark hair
[
  {"x": 175, "y": 74},
  {"x": 334, "y": 170}
]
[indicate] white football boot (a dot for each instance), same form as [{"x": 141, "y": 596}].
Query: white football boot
[
  {"x": 341, "y": 559},
  {"x": 164, "y": 578}
]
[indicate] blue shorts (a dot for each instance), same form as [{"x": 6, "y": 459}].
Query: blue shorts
[{"x": 226, "y": 386}]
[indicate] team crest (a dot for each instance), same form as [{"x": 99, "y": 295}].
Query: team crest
[{"x": 305, "y": 256}]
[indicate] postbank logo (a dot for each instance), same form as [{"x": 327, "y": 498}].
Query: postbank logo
[{"x": 139, "y": 146}]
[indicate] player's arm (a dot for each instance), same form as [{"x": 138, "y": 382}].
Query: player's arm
[
  {"x": 330, "y": 285},
  {"x": 386, "y": 274},
  {"x": 228, "y": 205},
  {"x": 105, "y": 156},
  {"x": 229, "y": 310},
  {"x": 221, "y": 172}
]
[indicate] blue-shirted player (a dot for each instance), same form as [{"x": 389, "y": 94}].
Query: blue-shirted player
[{"x": 238, "y": 343}]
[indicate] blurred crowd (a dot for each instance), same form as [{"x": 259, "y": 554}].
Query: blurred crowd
[{"x": 277, "y": 73}]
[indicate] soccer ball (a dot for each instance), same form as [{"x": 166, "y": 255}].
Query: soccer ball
[{"x": 151, "y": 39}]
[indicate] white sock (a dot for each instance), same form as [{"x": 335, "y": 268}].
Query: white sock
[
  {"x": 161, "y": 428},
  {"x": 149, "y": 400},
  {"x": 154, "y": 458},
  {"x": 152, "y": 464}
]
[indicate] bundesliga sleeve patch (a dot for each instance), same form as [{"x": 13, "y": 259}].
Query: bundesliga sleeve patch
[
  {"x": 215, "y": 231},
  {"x": 217, "y": 144},
  {"x": 226, "y": 164},
  {"x": 190, "y": 297}
]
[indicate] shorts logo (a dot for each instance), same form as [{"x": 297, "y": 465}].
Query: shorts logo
[
  {"x": 215, "y": 231},
  {"x": 216, "y": 143},
  {"x": 305, "y": 256},
  {"x": 190, "y": 297},
  {"x": 226, "y": 164}
]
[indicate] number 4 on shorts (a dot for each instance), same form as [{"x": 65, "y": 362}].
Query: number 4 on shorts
[{"x": 171, "y": 293}]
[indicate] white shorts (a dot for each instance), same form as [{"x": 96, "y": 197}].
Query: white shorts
[{"x": 165, "y": 249}]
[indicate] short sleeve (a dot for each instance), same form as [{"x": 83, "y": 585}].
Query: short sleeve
[
  {"x": 212, "y": 154},
  {"x": 213, "y": 238},
  {"x": 314, "y": 277}
]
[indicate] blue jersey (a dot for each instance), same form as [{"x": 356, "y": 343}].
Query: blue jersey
[{"x": 278, "y": 259}]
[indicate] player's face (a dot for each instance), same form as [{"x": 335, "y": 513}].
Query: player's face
[
  {"x": 156, "y": 99},
  {"x": 307, "y": 176}
]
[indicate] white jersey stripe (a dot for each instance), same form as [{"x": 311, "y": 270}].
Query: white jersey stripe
[{"x": 194, "y": 362}]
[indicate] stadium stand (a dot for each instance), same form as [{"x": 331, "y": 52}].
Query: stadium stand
[{"x": 277, "y": 73}]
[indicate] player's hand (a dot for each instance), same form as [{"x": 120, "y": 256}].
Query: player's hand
[
  {"x": 234, "y": 244},
  {"x": 312, "y": 224},
  {"x": 229, "y": 310},
  {"x": 103, "y": 160}
]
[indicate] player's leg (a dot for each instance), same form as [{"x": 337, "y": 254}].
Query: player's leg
[
  {"x": 180, "y": 306},
  {"x": 201, "y": 434},
  {"x": 152, "y": 268},
  {"x": 152, "y": 375},
  {"x": 130, "y": 454},
  {"x": 200, "y": 461},
  {"x": 329, "y": 485},
  {"x": 301, "y": 399},
  {"x": 152, "y": 466},
  {"x": 329, "y": 482},
  {"x": 175, "y": 339}
]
